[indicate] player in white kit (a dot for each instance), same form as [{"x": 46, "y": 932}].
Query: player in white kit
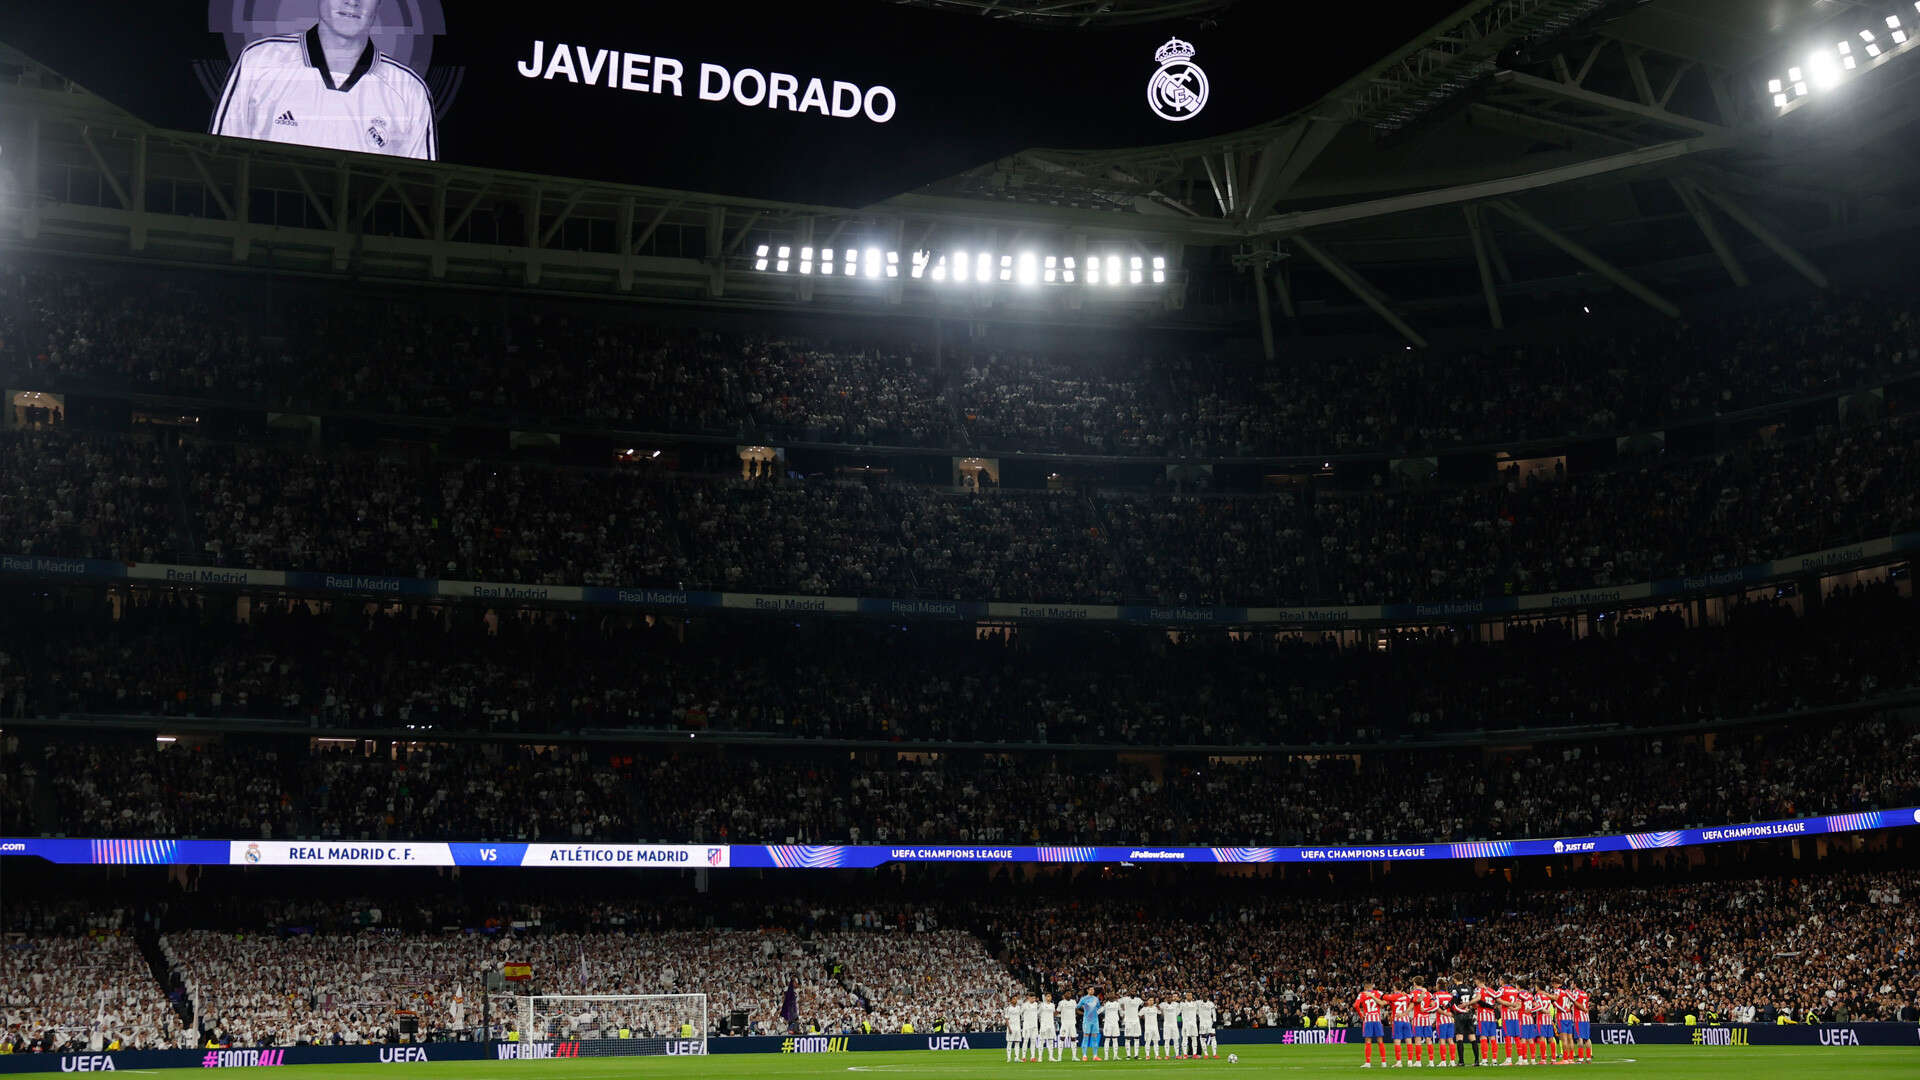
[
  {"x": 1130, "y": 1024},
  {"x": 1109, "y": 1030},
  {"x": 1209, "y": 1039},
  {"x": 1012, "y": 1015},
  {"x": 329, "y": 87},
  {"x": 1189, "y": 1028},
  {"x": 1030, "y": 1030},
  {"x": 1048, "y": 1034},
  {"x": 1065, "y": 1035},
  {"x": 1150, "y": 1028}
]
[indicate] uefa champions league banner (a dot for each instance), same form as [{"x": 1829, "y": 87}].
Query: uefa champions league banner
[{"x": 130, "y": 852}]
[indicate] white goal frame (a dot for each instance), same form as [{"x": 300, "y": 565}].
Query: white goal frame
[{"x": 681, "y": 1007}]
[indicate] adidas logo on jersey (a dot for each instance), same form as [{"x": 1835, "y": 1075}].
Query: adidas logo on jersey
[{"x": 287, "y": 119}]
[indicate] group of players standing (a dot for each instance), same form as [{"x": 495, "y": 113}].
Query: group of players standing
[
  {"x": 1042, "y": 1029},
  {"x": 1510, "y": 1025}
]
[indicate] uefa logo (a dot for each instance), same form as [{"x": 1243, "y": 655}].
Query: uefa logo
[{"x": 1178, "y": 89}]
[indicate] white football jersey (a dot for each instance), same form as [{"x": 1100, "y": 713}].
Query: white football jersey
[
  {"x": 1130, "y": 1011},
  {"x": 282, "y": 89},
  {"x": 1030, "y": 1017},
  {"x": 1012, "y": 1013},
  {"x": 1150, "y": 1017},
  {"x": 1207, "y": 1014},
  {"x": 1066, "y": 1014},
  {"x": 1046, "y": 1018},
  {"x": 1189, "y": 1014},
  {"x": 1109, "y": 1016}
]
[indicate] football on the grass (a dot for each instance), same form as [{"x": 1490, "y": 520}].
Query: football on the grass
[{"x": 1233, "y": 1059}]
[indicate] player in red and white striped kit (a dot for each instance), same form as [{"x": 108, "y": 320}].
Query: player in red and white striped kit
[
  {"x": 1369, "y": 1006},
  {"x": 1511, "y": 1001},
  {"x": 1583, "y": 1029},
  {"x": 1442, "y": 1020},
  {"x": 1400, "y": 1007},
  {"x": 1486, "y": 1025},
  {"x": 1543, "y": 1025}
]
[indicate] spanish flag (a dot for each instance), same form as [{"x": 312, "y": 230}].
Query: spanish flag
[{"x": 517, "y": 972}]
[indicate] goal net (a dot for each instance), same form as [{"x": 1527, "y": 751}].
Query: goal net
[{"x": 612, "y": 1025}]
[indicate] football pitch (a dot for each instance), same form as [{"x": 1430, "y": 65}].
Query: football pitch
[{"x": 1627, "y": 1063}]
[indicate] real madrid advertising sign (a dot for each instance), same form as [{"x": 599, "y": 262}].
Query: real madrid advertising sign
[{"x": 837, "y": 104}]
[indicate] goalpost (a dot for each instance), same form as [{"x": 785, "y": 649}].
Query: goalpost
[{"x": 591, "y": 1025}]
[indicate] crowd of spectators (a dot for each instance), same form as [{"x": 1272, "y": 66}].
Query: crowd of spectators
[
  {"x": 80, "y": 983},
  {"x": 262, "y": 506},
  {"x": 270, "y": 508},
  {"x": 1835, "y": 947},
  {"x": 334, "y": 346},
  {"x": 282, "y": 989},
  {"x": 462, "y": 670},
  {"x": 417, "y": 791},
  {"x": 74, "y": 495},
  {"x": 450, "y": 793},
  {"x": 1620, "y": 527},
  {"x": 333, "y": 972},
  {"x": 103, "y": 790}
]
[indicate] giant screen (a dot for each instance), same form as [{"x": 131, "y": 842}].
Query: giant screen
[{"x": 838, "y": 103}]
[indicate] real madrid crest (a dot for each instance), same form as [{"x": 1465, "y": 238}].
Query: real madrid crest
[{"x": 1178, "y": 89}]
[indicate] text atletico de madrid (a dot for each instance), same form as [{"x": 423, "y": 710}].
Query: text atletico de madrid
[{"x": 640, "y": 73}]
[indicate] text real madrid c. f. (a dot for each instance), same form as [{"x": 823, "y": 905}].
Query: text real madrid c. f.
[{"x": 640, "y": 73}]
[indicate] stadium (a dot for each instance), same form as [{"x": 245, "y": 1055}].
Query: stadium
[{"x": 935, "y": 537}]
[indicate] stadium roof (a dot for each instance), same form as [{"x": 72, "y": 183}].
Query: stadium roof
[
  {"x": 1067, "y": 14},
  {"x": 1622, "y": 117},
  {"x": 1515, "y": 148}
]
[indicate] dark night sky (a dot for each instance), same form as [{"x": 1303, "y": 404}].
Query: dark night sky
[{"x": 970, "y": 89}]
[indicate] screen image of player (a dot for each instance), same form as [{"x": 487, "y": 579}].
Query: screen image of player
[{"x": 327, "y": 85}]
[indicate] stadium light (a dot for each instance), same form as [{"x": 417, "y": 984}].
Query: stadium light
[
  {"x": 1826, "y": 74},
  {"x": 1027, "y": 268}
]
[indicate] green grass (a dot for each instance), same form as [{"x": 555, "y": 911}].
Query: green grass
[{"x": 1256, "y": 1063}]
